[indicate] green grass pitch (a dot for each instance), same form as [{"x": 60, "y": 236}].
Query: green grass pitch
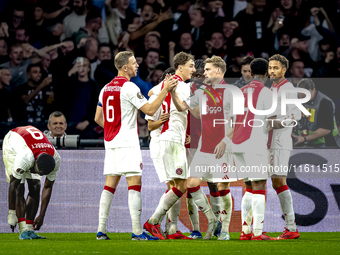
[{"x": 120, "y": 243}]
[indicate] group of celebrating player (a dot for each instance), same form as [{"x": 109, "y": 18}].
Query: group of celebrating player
[{"x": 27, "y": 154}]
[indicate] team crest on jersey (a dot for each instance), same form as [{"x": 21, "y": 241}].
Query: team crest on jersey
[
  {"x": 140, "y": 95},
  {"x": 179, "y": 171}
]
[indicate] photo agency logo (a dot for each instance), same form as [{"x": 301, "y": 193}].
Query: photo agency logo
[{"x": 238, "y": 105}]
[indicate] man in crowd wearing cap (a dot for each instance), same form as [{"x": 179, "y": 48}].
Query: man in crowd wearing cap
[{"x": 28, "y": 154}]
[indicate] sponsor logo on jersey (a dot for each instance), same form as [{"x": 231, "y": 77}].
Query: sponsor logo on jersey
[
  {"x": 140, "y": 95},
  {"x": 214, "y": 109}
]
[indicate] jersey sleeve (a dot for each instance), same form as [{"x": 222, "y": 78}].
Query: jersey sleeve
[
  {"x": 134, "y": 95},
  {"x": 52, "y": 176},
  {"x": 24, "y": 160},
  {"x": 100, "y": 99},
  {"x": 267, "y": 99},
  {"x": 293, "y": 111},
  {"x": 157, "y": 114},
  {"x": 157, "y": 89}
]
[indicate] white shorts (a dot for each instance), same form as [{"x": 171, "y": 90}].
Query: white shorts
[
  {"x": 174, "y": 159},
  {"x": 251, "y": 167},
  {"x": 9, "y": 158},
  {"x": 157, "y": 162},
  {"x": 206, "y": 167},
  {"x": 123, "y": 161},
  {"x": 278, "y": 162}
]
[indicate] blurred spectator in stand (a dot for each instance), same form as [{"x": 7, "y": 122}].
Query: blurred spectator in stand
[
  {"x": 105, "y": 70},
  {"x": 152, "y": 40},
  {"x": 81, "y": 100},
  {"x": 68, "y": 46},
  {"x": 297, "y": 71},
  {"x": 330, "y": 64},
  {"x": 74, "y": 21},
  {"x": 31, "y": 97},
  {"x": 237, "y": 57},
  {"x": 56, "y": 125},
  {"x": 197, "y": 22},
  {"x": 284, "y": 41},
  {"x": 254, "y": 26},
  {"x": 214, "y": 9},
  {"x": 91, "y": 52},
  {"x": 157, "y": 74},
  {"x": 149, "y": 64},
  {"x": 55, "y": 12},
  {"x": 181, "y": 15},
  {"x": 22, "y": 34},
  {"x": 318, "y": 129},
  {"x": 216, "y": 45},
  {"x": 16, "y": 19},
  {"x": 246, "y": 73},
  {"x": 5, "y": 95},
  {"x": 3, "y": 51},
  {"x": 93, "y": 23}
]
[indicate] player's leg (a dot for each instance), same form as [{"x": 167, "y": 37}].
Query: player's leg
[
  {"x": 32, "y": 201},
  {"x": 226, "y": 209},
  {"x": 20, "y": 207},
  {"x": 111, "y": 184},
  {"x": 246, "y": 212},
  {"x": 194, "y": 217},
  {"x": 215, "y": 202},
  {"x": 172, "y": 214}
]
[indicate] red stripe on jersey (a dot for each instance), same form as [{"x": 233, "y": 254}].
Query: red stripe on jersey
[
  {"x": 242, "y": 132},
  {"x": 176, "y": 77},
  {"x": 111, "y": 107},
  {"x": 36, "y": 141},
  {"x": 212, "y": 136},
  {"x": 166, "y": 109},
  {"x": 279, "y": 85},
  {"x": 194, "y": 126},
  {"x": 281, "y": 189}
]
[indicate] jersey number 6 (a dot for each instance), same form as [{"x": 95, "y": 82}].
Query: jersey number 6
[{"x": 108, "y": 109}]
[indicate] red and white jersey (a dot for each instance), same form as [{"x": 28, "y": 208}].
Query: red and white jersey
[
  {"x": 176, "y": 131},
  {"x": 251, "y": 130},
  {"x": 26, "y": 144},
  {"x": 157, "y": 132},
  {"x": 282, "y": 138},
  {"x": 218, "y": 107},
  {"x": 121, "y": 100}
]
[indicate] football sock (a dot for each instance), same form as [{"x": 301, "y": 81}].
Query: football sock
[
  {"x": 215, "y": 202},
  {"x": 202, "y": 202},
  {"x": 22, "y": 225},
  {"x": 286, "y": 202},
  {"x": 258, "y": 205},
  {"x": 169, "y": 200},
  {"x": 135, "y": 207},
  {"x": 29, "y": 225},
  {"x": 173, "y": 217},
  {"x": 226, "y": 208},
  {"x": 160, "y": 200},
  {"x": 246, "y": 211},
  {"x": 193, "y": 213},
  {"x": 104, "y": 207}
]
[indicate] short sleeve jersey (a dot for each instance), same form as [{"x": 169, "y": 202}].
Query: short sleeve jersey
[
  {"x": 121, "y": 100},
  {"x": 155, "y": 117}
]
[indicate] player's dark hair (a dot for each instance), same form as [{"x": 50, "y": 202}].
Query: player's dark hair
[
  {"x": 306, "y": 84},
  {"x": 246, "y": 61},
  {"x": 30, "y": 66},
  {"x": 294, "y": 61},
  {"x": 283, "y": 61},
  {"x": 45, "y": 164},
  {"x": 104, "y": 45},
  {"x": 199, "y": 65},
  {"x": 170, "y": 71},
  {"x": 93, "y": 14},
  {"x": 259, "y": 66},
  {"x": 182, "y": 58},
  {"x": 122, "y": 59}
]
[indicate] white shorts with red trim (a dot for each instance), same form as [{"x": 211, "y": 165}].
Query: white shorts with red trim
[
  {"x": 157, "y": 161},
  {"x": 278, "y": 162},
  {"x": 123, "y": 161},
  {"x": 206, "y": 167},
  {"x": 251, "y": 167},
  {"x": 173, "y": 156}
]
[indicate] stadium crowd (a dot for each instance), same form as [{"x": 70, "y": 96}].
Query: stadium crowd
[{"x": 57, "y": 55}]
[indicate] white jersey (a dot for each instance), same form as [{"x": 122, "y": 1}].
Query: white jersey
[
  {"x": 121, "y": 100},
  {"x": 178, "y": 120},
  {"x": 251, "y": 130},
  {"x": 211, "y": 111},
  {"x": 282, "y": 138},
  {"x": 157, "y": 132},
  {"x": 15, "y": 147}
]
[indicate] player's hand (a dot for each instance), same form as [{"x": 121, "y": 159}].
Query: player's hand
[
  {"x": 187, "y": 139},
  {"x": 170, "y": 83},
  {"x": 39, "y": 221},
  {"x": 299, "y": 140},
  {"x": 82, "y": 125},
  {"x": 12, "y": 219},
  {"x": 164, "y": 117},
  {"x": 220, "y": 149}
]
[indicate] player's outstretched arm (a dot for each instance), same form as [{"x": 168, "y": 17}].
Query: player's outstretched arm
[
  {"x": 180, "y": 105},
  {"x": 45, "y": 199},
  {"x": 150, "y": 109},
  {"x": 99, "y": 118}
]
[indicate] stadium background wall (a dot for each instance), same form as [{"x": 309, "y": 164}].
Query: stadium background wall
[{"x": 75, "y": 199}]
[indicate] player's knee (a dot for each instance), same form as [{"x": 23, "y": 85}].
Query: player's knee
[{"x": 278, "y": 182}]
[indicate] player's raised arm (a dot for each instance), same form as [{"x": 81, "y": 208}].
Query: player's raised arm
[
  {"x": 150, "y": 109},
  {"x": 180, "y": 105},
  {"x": 99, "y": 117}
]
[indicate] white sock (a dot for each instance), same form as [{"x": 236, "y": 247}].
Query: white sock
[
  {"x": 215, "y": 202},
  {"x": 135, "y": 208},
  {"x": 160, "y": 200},
  {"x": 104, "y": 207},
  {"x": 246, "y": 211},
  {"x": 202, "y": 202},
  {"x": 22, "y": 225},
  {"x": 226, "y": 209},
  {"x": 286, "y": 202},
  {"x": 29, "y": 225},
  {"x": 173, "y": 217},
  {"x": 193, "y": 214},
  {"x": 169, "y": 200},
  {"x": 258, "y": 205}
]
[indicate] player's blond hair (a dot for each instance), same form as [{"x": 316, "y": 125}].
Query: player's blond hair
[
  {"x": 122, "y": 59},
  {"x": 182, "y": 58},
  {"x": 217, "y": 62}
]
